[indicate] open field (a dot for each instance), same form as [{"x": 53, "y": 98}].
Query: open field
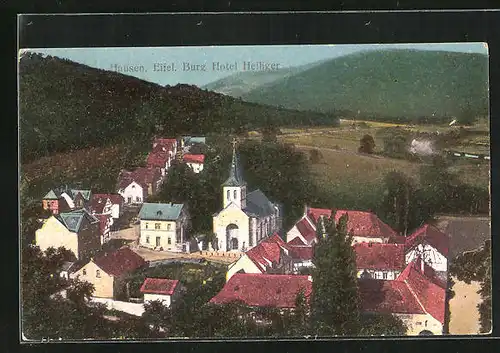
[{"x": 464, "y": 319}]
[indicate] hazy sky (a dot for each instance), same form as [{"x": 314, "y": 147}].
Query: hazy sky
[{"x": 174, "y": 60}]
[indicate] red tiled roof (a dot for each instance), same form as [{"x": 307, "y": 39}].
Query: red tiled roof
[
  {"x": 429, "y": 272},
  {"x": 431, "y": 296},
  {"x": 103, "y": 222},
  {"x": 142, "y": 176},
  {"x": 119, "y": 262},
  {"x": 365, "y": 224},
  {"x": 296, "y": 241},
  {"x": 387, "y": 297},
  {"x": 301, "y": 252},
  {"x": 157, "y": 159},
  {"x": 275, "y": 238},
  {"x": 315, "y": 213},
  {"x": 98, "y": 204},
  {"x": 307, "y": 231},
  {"x": 264, "y": 290},
  {"x": 167, "y": 143},
  {"x": 379, "y": 256},
  {"x": 267, "y": 250},
  {"x": 116, "y": 199},
  {"x": 194, "y": 158},
  {"x": 159, "y": 286},
  {"x": 432, "y": 236}
]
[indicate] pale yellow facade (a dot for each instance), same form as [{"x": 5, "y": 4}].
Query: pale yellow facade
[
  {"x": 232, "y": 214},
  {"x": 162, "y": 234},
  {"x": 54, "y": 234},
  {"x": 243, "y": 263},
  {"x": 417, "y": 323},
  {"x": 103, "y": 283},
  {"x": 368, "y": 240}
]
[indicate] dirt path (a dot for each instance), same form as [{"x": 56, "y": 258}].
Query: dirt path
[{"x": 464, "y": 318}]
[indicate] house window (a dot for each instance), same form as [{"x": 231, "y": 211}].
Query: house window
[
  {"x": 138, "y": 199},
  {"x": 235, "y": 195},
  {"x": 228, "y": 194},
  {"x": 129, "y": 199},
  {"x": 98, "y": 274},
  {"x": 157, "y": 225},
  {"x": 84, "y": 272},
  {"x": 147, "y": 225},
  {"x": 384, "y": 275},
  {"x": 147, "y": 239},
  {"x": 169, "y": 241},
  {"x": 133, "y": 186},
  {"x": 168, "y": 226}
]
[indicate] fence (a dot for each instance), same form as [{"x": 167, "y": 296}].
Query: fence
[
  {"x": 222, "y": 254},
  {"x": 130, "y": 308}
]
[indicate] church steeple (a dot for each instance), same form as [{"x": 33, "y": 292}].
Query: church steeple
[
  {"x": 234, "y": 188},
  {"x": 235, "y": 174}
]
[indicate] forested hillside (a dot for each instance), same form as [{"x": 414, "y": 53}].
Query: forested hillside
[{"x": 67, "y": 106}]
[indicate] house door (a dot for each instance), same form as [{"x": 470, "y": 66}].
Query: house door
[{"x": 158, "y": 241}]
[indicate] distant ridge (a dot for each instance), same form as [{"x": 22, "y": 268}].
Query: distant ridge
[{"x": 392, "y": 82}]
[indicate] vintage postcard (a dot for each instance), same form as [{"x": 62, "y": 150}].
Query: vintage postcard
[{"x": 233, "y": 192}]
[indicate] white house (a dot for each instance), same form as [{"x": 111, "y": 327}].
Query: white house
[
  {"x": 194, "y": 161},
  {"x": 160, "y": 289},
  {"x": 136, "y": 186},
  {"x": 432, "y": 245}
]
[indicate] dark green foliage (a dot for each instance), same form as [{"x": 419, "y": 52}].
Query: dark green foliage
[
  {"x": 476, "y": 266},
  {"x": 335, "y": 298},
  {"x": 396, "y": 85},
  {"x": 396, "y": 142},
  {"x": 377, "y": 324},
  {"x": 367, "y": 144}
]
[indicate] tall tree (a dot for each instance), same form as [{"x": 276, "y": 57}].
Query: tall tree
[
  {"x": 335, "y": 301},
  {"x": 366, "y": 144}
]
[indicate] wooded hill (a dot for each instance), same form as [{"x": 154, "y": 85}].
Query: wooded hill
[
  {"x": 67, "y": 106},
  {"x": 387, "y": 85}
]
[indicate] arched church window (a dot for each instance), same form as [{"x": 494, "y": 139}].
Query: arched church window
[
  {"x": 228, "y": 194},
  {"x": 234, "y": 244}
]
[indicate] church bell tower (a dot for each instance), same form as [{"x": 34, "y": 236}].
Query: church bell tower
[{"x": 234, "y": 188}]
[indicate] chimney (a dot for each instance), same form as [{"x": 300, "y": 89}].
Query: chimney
[{"x": 305, "y": 210}]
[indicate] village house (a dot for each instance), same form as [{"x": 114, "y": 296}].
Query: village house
[
  {"x": 366, "y": 227},
  {"x": 76, "y": 230},
  {"x": 137, "y": 185},
  {"x": 164, "y": 226},
  {"x": 106, "y": 271},
  {"x": 301, "y": 255},
  {"x": 414, "y": 297},
  {"x": 160, "y": 157},
  {"x": 188, "y": 141},
  {"x": 194, "y": 161},
  {"x": 271, "y": 255},
  {"x": 105, "y": 223},
  {"x": 64, "y": 199},
  {"x": 245, "y": 218},
  {"x": 379, "y": 260},
  {"x": 110, "y": 203},
  {"x": 264, "y": 290},
  {"x": 160, "y": 289},
  {"x": 432, "y": 245},
  {"x": 168, "y": 144}
]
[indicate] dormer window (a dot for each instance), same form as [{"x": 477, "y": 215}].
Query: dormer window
[
  {"x": 159, "y": 213},
  {"x": 133, "y": 186}
]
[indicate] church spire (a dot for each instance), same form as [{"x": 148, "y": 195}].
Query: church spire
[{"x": 235, "y": 175}]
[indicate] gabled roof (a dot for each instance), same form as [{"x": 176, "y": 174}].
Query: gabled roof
[
  {"x": 296, "y": 242},
  {"x": 392, "y": 297},
  {"x": 188, "y": 140},
  {"x": 159, "y": 286},
  {"x": 98, "y": 204},
  {"x": 73, "y": 220},
  {"x": 432, "y": 236},
  {"x": 258, "y": 204},
  {"x": 119, "y": 262},
  {"x": 301, "y": 252},
  {"x": 86, "y": 194},
  {"x": 275, "y": 238},
  {"x": 51, "y": 195},
  {"x": 142, "y": 176},
  {"x": 315, "y": 213},
  {"x": 103, "y": 222},
  {"x": 166, "y": 142},
  {"x": 379, "y": 256},
  {"x": 157, "y": 159},
  {"x": 267, "y": 252},
  {"x": 306, "y": 230},
  {"x": 264, "y": 290},
  {"x": 430, "y": 295},
  {"x": 161, "y": 211},
  {"x": 194, "y": 158},
  {"x": 116, "y": 199}
]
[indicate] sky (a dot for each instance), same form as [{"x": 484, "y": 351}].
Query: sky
[{"x": 202, "y": 65}]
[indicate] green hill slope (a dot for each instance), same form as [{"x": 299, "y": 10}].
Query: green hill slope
[
  {"x": 67, "y": 106},
  {"x": 398, "y": 83},
  {"x": 241, "y": 83}
]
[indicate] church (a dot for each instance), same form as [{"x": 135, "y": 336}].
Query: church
[{"x": 245, "y": 218}]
